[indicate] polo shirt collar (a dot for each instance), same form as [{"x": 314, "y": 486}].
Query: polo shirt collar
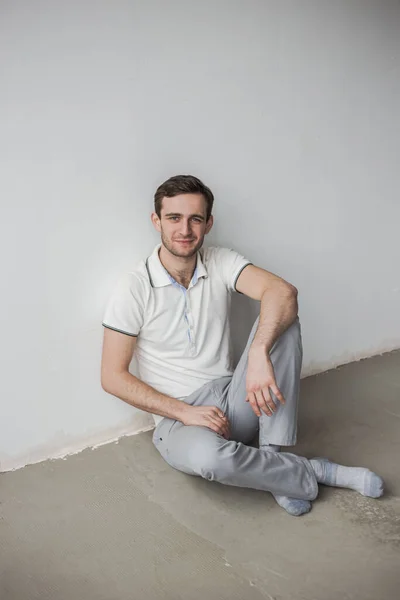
[{"x": 158, "y": 275}]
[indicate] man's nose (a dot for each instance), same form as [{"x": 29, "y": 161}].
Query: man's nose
[{"x": 186, "y": 229}]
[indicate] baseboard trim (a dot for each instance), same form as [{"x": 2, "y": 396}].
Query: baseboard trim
[{"x": 139, "y": 423}]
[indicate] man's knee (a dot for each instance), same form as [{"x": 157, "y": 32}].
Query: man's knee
[{"x": 210, "y": 462}]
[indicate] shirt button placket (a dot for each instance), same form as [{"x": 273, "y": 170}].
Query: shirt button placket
[{"x": 190, "y": 322}]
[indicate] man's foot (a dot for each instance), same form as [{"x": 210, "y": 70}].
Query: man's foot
[
  {"x": 293, "y": 506},
  {"x": 359, "y": 479}
]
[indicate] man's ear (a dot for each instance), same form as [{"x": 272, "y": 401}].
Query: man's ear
[
  {"x": 209, "y": 224},
  {"x": 155, "y": 219}
]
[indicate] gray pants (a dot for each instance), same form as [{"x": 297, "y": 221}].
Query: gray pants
[{"x": 200, "y": 451}]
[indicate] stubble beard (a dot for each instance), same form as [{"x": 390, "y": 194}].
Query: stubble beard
[{"x": 169, "y": 246}]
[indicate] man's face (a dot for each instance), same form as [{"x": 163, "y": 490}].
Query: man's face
[{"x": 183, "y": 224}]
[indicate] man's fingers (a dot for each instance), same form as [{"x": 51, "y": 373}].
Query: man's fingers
[
  {"x": 224, "y": 429},
  {"x": 260, "y": 401},
  {"x": 263, "y": 401},
  {"x": 214, "y": 427},
  {"x": 254, "y": 405},
  {"x": 217, "y": 412},
  {"x": 278, "y": 393},
  {"x": 225, "y": 423},
  {"x": 221, "y": 425},
  {"x": 269, "y": 401}
]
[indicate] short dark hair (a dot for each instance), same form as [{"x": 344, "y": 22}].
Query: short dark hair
[{"x": 182, "y": 184}]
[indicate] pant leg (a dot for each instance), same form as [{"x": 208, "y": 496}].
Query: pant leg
[
  {"x": 200, "y": 451},
  {"x": 281, "y": 428}
]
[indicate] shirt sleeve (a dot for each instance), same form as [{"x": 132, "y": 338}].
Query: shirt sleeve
[
  {"x": 230, "y": 264},
  {"x": 125, "y": 308}
]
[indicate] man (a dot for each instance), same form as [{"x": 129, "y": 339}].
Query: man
[{"x": 172, "y": 310}]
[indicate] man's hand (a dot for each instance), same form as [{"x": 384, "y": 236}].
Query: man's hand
[
  {"x": 260, "y": 381},
  {"x": 207, "y": 416}
]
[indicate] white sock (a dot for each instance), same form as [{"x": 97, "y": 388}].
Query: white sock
[
  {"x": 293, "y": 506},
  {"x": 359, "y": 479}
]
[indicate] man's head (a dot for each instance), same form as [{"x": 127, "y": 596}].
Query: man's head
[{"x": 183, "y": 206}]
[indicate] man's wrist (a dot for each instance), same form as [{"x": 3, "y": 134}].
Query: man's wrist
[
  {"x": 182, "y": 411},
  {"x": 258, "y": 347}
]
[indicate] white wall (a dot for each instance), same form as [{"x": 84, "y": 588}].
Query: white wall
[{"x": 289, "y": 111}]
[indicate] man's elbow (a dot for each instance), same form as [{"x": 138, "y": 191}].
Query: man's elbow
[
  {"x": 291, "y": 297},
  {"x": 105, "y": 385},
  {"x": 113, "y": 380},
  {"x": 108, "y": 383},
  {"x": 293, "y": 291},
  {"x": 283, "y": 289},
  {"x": 288, "y": 290}
]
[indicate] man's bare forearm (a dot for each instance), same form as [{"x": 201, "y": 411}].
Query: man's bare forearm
[
  {"x": 135, "y": 392},
  {"x": 278, "y": 311}
]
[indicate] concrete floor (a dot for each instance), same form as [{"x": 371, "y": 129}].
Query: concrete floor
[{"x": 117, "y": 523}]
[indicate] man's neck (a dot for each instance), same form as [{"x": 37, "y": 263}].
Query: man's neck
[{"x": 181, "y": 269}]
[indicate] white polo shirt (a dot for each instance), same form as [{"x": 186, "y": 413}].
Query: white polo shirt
[{"x": 183, "y": 335}]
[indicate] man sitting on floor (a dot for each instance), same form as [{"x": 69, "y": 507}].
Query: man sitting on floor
[{"x": 172, "y": 310}]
